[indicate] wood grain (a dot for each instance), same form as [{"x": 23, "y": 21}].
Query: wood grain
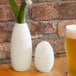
[{"x": 60, "y": 68}]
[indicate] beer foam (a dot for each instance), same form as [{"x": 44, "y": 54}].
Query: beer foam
[{"x": 71, "y": 31}]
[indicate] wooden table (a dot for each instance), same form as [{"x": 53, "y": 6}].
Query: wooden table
[{"x": 60, "y": 69}]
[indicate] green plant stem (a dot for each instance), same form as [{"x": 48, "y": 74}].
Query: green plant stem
[
  {"x": 22, "y": 13},
  {"x": 15, "y": 8}
]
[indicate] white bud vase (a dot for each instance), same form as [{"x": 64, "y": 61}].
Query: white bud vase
[{"x": 21, "y": 47}]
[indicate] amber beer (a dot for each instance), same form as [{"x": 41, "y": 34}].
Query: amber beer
[{"x": 70, "y": 42}]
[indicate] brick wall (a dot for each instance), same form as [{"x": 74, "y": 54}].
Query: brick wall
[{"x": 47, "y": 20}]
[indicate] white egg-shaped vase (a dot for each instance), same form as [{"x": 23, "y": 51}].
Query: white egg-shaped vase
[
  {"x": 21, "y": 47},
  {"x": 44, "y": 57}
]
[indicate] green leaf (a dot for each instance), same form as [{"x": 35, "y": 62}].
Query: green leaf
[
  {"x": 15, "y": 8},
  {"x": 22, "y": 13}
]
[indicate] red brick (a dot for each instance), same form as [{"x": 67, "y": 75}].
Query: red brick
[
  {"x": 52, "y": 11},
  {"x": 6, "y": 13},
  {"x": 5, "y": 31},
  {"x": 61, "y": 26},
  {"x": 51, "y": 0},
  {"x": 39, "y": 12},
  {"x": 4, "y": 50},
  {"x": 40, "y": 28},
  {"x": 57, "y": 44},
  {"x": 7, "y": 1},
  {"x": 49, "y": 28},
  {"x": 37, "y": 29}
]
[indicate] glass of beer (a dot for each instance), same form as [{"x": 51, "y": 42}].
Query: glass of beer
[{"x": 70, "y": 46}]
